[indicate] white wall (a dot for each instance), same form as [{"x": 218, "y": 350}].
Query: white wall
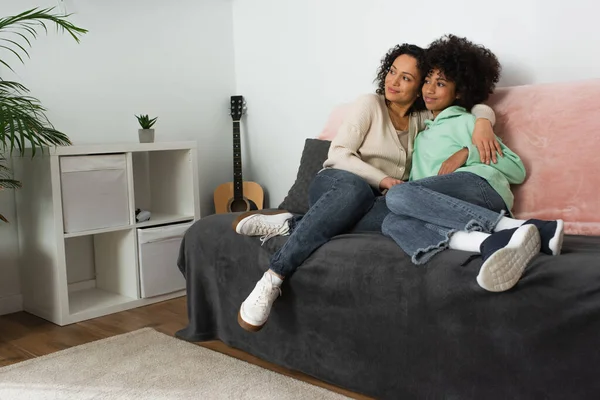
[
  {"x": 171, "y": 59},
  {"x": 295, "y": 60}
]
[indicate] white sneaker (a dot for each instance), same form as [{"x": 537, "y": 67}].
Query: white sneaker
[
  {"x": 257, "y": 306},
  {"x": 263, "y": 223}
]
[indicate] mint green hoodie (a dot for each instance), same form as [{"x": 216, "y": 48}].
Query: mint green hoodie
[{"x": 451, "y": 131}]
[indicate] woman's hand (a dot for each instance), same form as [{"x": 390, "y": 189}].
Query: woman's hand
[
  {"x": 455, "y": 161},
  {"x": 387, "y": 182},
  {"x": 484, "y": 139}
]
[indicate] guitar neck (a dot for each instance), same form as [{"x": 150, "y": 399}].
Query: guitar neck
[{"x": 238, "y": 186}]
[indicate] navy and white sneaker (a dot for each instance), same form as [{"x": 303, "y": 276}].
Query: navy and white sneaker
[
  {"x": 551, "y": 234},
  {"x": 505, "y": 255}
]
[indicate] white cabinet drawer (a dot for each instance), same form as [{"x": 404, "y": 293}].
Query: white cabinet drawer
[
  {"x": 94, "y": 192},
  {"x": 158, "y": 251}
]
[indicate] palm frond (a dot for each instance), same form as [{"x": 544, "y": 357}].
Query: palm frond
[
  {"x": 16, "y": 86},
  {"x": 6, "y": 181},
  {"x": 26, "y": 25},
  {"x": 9, "y": 184},
  {"x": 23, "y": 122}
]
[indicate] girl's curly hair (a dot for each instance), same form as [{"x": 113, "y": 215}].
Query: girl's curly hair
[
  {"x": 474, "y": 69},
  {"x": 387, "y": 61}
]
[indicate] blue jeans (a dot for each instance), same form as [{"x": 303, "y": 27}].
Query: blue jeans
[
  {"x": 424, "y": 213},
  {"x": 339, "y": 201}
]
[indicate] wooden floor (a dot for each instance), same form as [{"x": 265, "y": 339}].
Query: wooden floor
[{"x": 24, "y": 336}]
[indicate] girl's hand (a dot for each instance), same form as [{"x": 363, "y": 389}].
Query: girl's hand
[
  {"x": 455, "y": 161},
  {"x": 387, "y": 182},
  {"x": 484, "y": 139}
]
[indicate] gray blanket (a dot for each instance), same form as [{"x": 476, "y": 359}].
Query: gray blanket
[{"x": 359, "y": 315}]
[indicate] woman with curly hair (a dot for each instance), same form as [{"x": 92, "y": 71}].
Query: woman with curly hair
[
  {"x": 371, "y": 153},
  {"x": 453, "y": 200}
]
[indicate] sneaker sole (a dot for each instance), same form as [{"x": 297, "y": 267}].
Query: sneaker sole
[
  {"x": 555, "y": 244},
  {"x": 242, "y": 216},
  {"x": 247, "y": 326},
  {"x": 505, "y": 267}
]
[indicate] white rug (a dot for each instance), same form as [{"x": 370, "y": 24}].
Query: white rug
[{"x": 146, "y": 364}]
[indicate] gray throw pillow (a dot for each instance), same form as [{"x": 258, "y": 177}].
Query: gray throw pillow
[{"x": 313, "y": 156}]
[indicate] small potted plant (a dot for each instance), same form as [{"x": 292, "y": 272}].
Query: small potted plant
[{"x": 146, "y": 133}]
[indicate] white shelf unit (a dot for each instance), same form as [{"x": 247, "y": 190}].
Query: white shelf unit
[{"x": 73, "y": 275}]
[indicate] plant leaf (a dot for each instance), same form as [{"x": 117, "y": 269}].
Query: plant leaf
[
  {"x": 22, "y": 118},
  {"x": 23, "y": 36},
  {"x": 14, "y": 52},
  {"x": 6, "y": 181},
  {"x": 9, "y": 184},
  {"x": 23, "y": 121},
  {"x": 31, "y": 20},
  {"x": 7, "y": 66}
]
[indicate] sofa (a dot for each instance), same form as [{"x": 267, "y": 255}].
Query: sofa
[{"x": 359, "y": 315}]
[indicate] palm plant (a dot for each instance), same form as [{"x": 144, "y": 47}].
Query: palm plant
[{"x": 23, "y": 120}]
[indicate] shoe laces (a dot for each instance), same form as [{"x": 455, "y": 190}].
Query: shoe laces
[
  {"x": 268, "y": 231},
  {"x": 264, "y": 295}
]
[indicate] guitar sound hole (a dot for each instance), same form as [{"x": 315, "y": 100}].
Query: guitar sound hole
[{"x": 238, "y": 205}]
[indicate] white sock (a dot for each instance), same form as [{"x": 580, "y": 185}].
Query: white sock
[
  {"x": 467, "y": 241},
  {"x": 275, "y": 280},
  {"x": 508, "y": 223}
]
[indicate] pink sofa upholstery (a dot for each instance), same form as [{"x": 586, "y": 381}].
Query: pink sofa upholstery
[{"x": 555, "y": 128}]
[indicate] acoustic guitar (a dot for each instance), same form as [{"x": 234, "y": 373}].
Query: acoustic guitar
[{"x": 238, "y": 195}]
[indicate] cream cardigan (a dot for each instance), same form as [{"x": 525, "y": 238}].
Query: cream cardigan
[{"x": 367, "y": 143}]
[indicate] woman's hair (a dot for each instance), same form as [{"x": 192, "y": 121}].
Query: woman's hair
[
  {"x": 387, "y": 61},
  {"x": 474, "y": 69}
]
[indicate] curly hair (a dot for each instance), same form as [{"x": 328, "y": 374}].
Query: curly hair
[
  {"x": 387, "y": 61},
  {"x": 474, "y": 69}
]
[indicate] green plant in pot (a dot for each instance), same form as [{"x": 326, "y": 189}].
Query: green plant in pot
[
  {"x": 23, "y": 120},
  {"x": 146, "y": 134}
]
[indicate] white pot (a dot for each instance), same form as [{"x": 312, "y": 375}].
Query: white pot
[{"x": 146, "y": 135}]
